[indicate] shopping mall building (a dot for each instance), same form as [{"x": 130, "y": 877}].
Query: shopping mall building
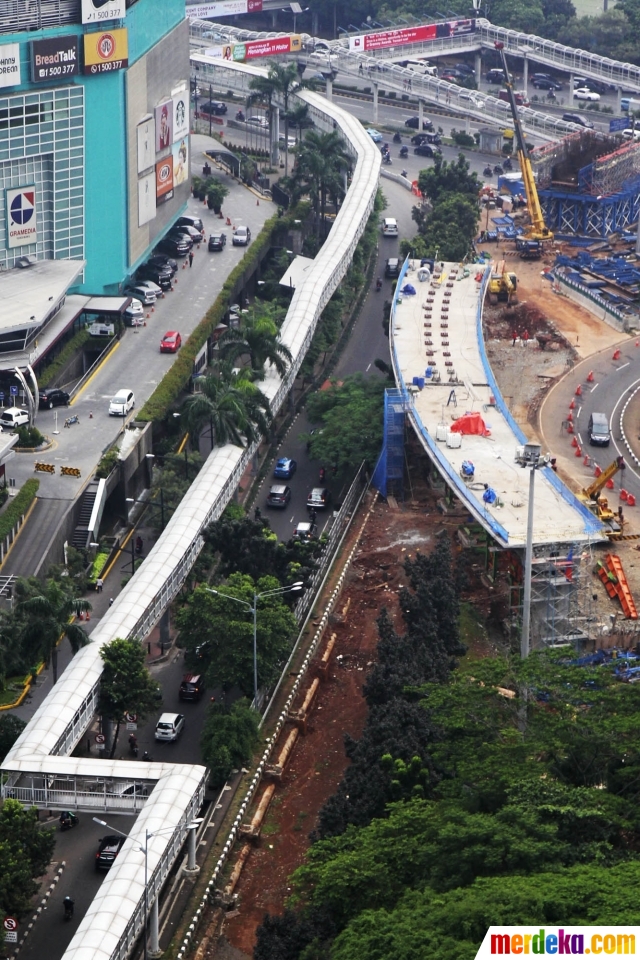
[{"x": 94, "y": 134}]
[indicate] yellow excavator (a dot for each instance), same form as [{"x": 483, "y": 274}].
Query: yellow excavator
[
  {"x": 502, "y": 284},
  {"x": 531, "y": 243},
  {"x": 591, "y": 495}
]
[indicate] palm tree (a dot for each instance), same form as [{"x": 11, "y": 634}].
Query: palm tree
[
  {"x": 260, "y": 339},
  {"x": 49, "y": 617},
  {"x": 322, "y": 162},
  {"x": 231, "y": 405},
  {"x": 281, "y": 79}
]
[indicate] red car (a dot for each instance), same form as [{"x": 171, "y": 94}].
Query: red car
[{"x": 171, "y": 342}]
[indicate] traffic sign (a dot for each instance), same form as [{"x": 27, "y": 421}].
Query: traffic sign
[
  {"x": 11, "y": 936},
  {"x": 100, "y": 738},
  {"x": 132, "y": 717},
  {"x": 10, "y": 923},
  {"x": 618, "y": 123},
  {"x": 13, "y": 391}
]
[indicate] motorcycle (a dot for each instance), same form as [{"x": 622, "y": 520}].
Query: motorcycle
[
  {"x": 138, "y": 545},
  {"x": 240, "y": 116},
  {"x": 133, "y": 745},
  {"x": 498, "y": 170},
  {"x": 323, "y": 474},
  {"x": 487, "y": 172},
  {"x": 68, "y": 905},
  {"x": 68, "y": 820},
  {"x": 397, "y": 138},
  {"x": 147, "y": 757},
  {"x": 378, "y": 285},
  {"x": 507, "y": 164},
  {"x": 404, "y": 152},
  {"x": 386, "y": 158},
  {"x": 403, "y": 173}
]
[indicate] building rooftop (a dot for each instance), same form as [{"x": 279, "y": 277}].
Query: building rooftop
[
  {"x": 30, "y": 294},
  {"x": 442, "y": 325}
]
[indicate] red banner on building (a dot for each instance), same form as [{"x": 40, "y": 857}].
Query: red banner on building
[{"x": 407, "y": 35}]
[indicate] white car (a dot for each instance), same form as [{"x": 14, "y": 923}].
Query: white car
[
  {"x": 583, "y": 93},
  {"x": 169, "y": 726},
  {"x": 261, "y": 122},
  {"x": 630, "y": 134},
  {"x": 14, "y": 417},
  {"x": 135, "y": 309},
  {"x": 122, "y": 403},
  {"x": 142, "y": 291},
  {"x": 241, "y": 237}
]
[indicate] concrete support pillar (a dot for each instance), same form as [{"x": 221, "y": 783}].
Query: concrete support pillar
[
  {"x": 314, "y": 23},
  {"x": 478, "y": 68},
  {"x": 525, "y": 73},
  {"x": 571, "y": 87},
  {"x": 165, "y": 629},
  {"x": 154, "y": 944},
  {"x": 420, "y": 115},
  {"x": 618, "y": 99},
  {"x": 376, "y": 87},
  {"x": 192, "y": 866},
  {"x": 329, "y": 89},
  {"x": 274, "y": 19},
  {"x": 275, "y": 136}
]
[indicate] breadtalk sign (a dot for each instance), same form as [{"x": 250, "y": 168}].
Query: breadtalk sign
[{"x": 105, "y": 52}]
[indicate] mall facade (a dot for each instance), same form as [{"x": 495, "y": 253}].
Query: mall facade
[{"x": 94, "y": 133}]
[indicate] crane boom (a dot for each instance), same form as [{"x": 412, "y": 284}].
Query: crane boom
[
  {"x": 593, "y": 491},
  {"x": 538, "y": 229}
]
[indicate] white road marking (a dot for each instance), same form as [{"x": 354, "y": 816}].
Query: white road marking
[
  {"x": 594, "y": 387},
  {"x": 618, "y": 369}
]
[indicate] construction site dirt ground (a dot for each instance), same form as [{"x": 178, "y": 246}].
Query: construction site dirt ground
[{"x": 392, "y": 534}]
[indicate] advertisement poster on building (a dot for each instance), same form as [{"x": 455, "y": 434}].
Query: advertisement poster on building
[
  {"x": 99, "y": 11},
  {"x": 20, "y": 204},
  {"x": 419, "y": 34},
  {"x": 180, "y": 152},
  {"x": 9, "y": 64},
  {"x": 257, "y": 48},
  {"x": 146, "y": 199},
  {"x": 180, "y": 116},
  {"x": 164, "y": 121},
  {"x": 146, "y": 134},
  {"x": 222, "y": 8},
  {"x": 54, "y": 59},
  {"x": 105, "y": 52},
  {"x": 164, "y": 180}
]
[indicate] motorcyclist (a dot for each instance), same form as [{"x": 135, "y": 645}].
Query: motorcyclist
[
  {"x": 379, "y": 283},
  {"x": 67, "y": 819},
  {"x": 240, "y": 116},
  {"x": 133, "y": 744},
  {"x": 397, "y": 138},
  {"x": 403, "y": 173},
  {"x": 68, "y": 905}
]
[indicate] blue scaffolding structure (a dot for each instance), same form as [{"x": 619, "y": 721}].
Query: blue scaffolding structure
[
  {"x": 582, "y": 214},
  {"x": 388, "y": 476}
]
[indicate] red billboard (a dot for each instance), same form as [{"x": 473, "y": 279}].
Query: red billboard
[{"x": 407, "y": 35}]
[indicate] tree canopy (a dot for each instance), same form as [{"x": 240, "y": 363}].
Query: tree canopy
[{"x": 350, "y": 414}]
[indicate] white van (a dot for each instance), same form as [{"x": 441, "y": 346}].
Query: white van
[
  {"x": 389, "y": 227},
  {"x": 421, "y": 66}
]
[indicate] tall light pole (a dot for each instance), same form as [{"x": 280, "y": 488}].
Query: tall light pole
[
  {"x": 148, "y": 835},
  {"x": 292, "y": 588},
  {"x": 529, "y": 456}
]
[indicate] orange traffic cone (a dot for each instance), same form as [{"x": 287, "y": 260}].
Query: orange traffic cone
[
  {"x": 579, "y": 391},
  {"x": 574, "y": 442},
  {"x": 590, "y": 376},
  {"x": 578, "y": 452}
]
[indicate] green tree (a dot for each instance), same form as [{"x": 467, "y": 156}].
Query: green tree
[
  {"x": 320, "y": 167},
  {"x": 229, "y": 738},
  {"x": 10, "y": 729},
  {"x": 351, "y": 417},
  {"x": 259, "y": 339},
  {"x": 223, "y": 629},
  {"x": 25, "y": 852},
  {"x": 126, "y": 686},
  {"x": 232, "y": 409},
  {"x": 251, "y": 547},
  {"x": 49, "y": 617},
  {"x": 171, "y": 480}
]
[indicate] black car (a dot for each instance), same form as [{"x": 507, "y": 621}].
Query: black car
[
  {"x": 53, "y": 398},
  {"x": 107, "y": 851},
  {"x": 466, "y": 69},
  {"x": 414, "y": 121},
  {"x": 424, "y": 150},
  {"x": 545, "y": 83},
  {"x": 160, "y": 275},
  {"x": 217, "y": 241},
  {"x": 178, "y": 246},
  {"x": 433, "y": 138},
  {"x": 194, "y": 235},
  {"x": 279, "y": 496},
  {"x": 161, "y": 260},
  {"x": 215, "y": 107},
  {"x": 188, "y": 221},
  {"x": 392, "y": 267}
]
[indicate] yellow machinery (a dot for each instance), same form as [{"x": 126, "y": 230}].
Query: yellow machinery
[
  {"x": 502, "y": 285},
  {"x": 591, "y": 495},
  {"x": 530, "y": 245}
]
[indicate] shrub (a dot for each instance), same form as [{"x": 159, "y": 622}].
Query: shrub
[
  {"x": 55, "y": 368},
  {"x": 98, "y": 565},
  {"x": 228, "y": 739},
  {"x": 29, "y": 437},
  {"x": 107, "y": 463},
  {"x": 18, "y": 506}
]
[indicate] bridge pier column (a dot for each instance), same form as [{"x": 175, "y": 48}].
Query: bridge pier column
[
  {"x": 478, "y": 68},
  {"x": 275, "y": 136},
  {"x": 191, "y": 867},
  {"x": 274, "y": 19},
  {"x": 420, "y": 115},
  {"x": 375, "y": 102},
  {"x": 618, "y": 99},
  {"x": 154, "y": 945},
  {"x": 165, "y": 629},
  {"x": 329, "y": 89},
  {"x": 525, "y": 73},
  {"x": 571, "y": 88}
]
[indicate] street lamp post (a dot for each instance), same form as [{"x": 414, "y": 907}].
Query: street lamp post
[
  {"x": 529, "y": 456},
  {"x": 148, "y": 835},
  {"x": 292, "y": 588},
  {"x": 149, "y": 503}
]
